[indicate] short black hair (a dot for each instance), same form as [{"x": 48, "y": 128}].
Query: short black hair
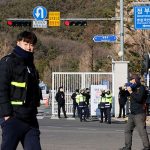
[{"x": 28, "y": 37}]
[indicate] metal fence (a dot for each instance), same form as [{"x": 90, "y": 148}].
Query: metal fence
[{"x": 76, "y": 80}]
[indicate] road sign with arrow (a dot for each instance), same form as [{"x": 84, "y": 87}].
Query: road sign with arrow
[
  {"x": 39, "y": 13},
  {"x": 104, "y": 38}
]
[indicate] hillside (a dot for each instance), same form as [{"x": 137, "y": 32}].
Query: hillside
[{"x": 64, "y": 48}]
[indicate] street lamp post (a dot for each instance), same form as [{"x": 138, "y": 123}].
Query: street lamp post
[{"x": 121, "y": 30}]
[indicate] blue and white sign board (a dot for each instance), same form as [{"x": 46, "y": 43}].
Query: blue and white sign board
[
  {"x": 39, "y": 14},
  {"x": 96, "y": 91},
  {"x": 39, "y": 24},
  {"x": 104, "y": 38},
  {"x": 142, "y": 17}
]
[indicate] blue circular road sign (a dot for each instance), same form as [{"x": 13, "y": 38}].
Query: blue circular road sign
[{"x": 39, "y": 13}]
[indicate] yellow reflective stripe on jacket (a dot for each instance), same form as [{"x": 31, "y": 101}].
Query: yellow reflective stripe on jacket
[
  {"x": 103, "y": 99},
  {"x": 18, "y": 84},
  {"x": 80, "y": 98},
  {"x": 17, "y": 102},
  {"x": 109, "y": 98}
]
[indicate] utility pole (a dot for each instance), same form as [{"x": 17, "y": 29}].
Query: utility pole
[{"x": 122, "y": 29}]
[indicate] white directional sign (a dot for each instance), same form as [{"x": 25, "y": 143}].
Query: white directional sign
[
  {"x": 39, "y": 24},
  {"x": 104, "y": 38},
  {"x": 39, "y": 13}
]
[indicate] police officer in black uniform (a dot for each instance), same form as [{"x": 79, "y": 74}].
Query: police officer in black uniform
[
  {"x": 20, "y": 96},
  {"x": 122, "y": 97},
  {"x": 75, "y": 104},
  {"x": 60, "y": 98},
  {"x": 87, "y": 99}
]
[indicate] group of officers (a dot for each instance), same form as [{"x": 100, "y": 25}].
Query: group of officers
[
  {"x": 81, "y": 100},
  {"x": 81, "y": 104},
  {"x": 105, "y": 105}
]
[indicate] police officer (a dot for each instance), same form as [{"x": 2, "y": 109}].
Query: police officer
[
  {"x": 20, "y": 96},
  {"x": 108, "y": 96},
  {"x": 87, "y": 97},
  {"x": 75, "y": 104},
  {"x": 80, "y": 99},
  {"x": 122, "y": 97},
  {"x": 102, "y": 107},
  {"x": 60, "y": 98}
]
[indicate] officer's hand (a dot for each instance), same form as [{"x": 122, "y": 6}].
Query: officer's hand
[
  {"x": 6, "y": 118},
  {"x": 129, "y": 89}
]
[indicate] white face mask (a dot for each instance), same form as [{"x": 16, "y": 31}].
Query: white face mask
[
  {"x": 108, "y": 93},
  {"x": 61, "y": 90}
]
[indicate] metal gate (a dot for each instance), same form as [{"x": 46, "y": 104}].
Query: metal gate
[{"x": 76, "y": 80}]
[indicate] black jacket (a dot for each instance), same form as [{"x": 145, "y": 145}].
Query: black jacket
[
  {"x": 60, "y": 98},
  {"x": 123, "y": 94},
  {"x": 137, "y": 100},
  {"x": 73, "y": 97},
  {"x": 17, "y": 69}
]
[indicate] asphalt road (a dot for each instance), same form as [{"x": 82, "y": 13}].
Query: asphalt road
[
  {"x": 74, "y": 135},
  {"x": 69, "y": 134}
]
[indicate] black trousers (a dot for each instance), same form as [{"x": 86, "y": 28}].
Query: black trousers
[
  {"x": 121, "y": 108},
  {"x": 103, "y": 112},
  {"x": 107, "y": 113},
  {"x": 82, "y": 112},
  {"x": 137, "y": 121},
  {"x": 63, "y": 109},
  {"x": 87, "y": 112},
  {"x": 15, "y": 131},
  {"x": 75, "y": 108}
]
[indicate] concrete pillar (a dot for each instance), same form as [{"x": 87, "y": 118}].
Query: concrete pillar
[{"x": 120, "y": 77}]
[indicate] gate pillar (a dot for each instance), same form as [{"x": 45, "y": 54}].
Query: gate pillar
[{"x": 120, "y": 77}]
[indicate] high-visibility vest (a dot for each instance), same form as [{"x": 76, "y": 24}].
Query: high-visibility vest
[
  {"x": 103, "y": 99},
  {"x": 80, "y": 98},
  {"x": 108, "y": 98},
  {"x": 104, "y": 102}
]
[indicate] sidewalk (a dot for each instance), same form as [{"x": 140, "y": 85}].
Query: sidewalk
[{"x": 126, "y": 119}]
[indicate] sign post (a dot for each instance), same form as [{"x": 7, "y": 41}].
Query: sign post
[{"x": 142, "y": 17}]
